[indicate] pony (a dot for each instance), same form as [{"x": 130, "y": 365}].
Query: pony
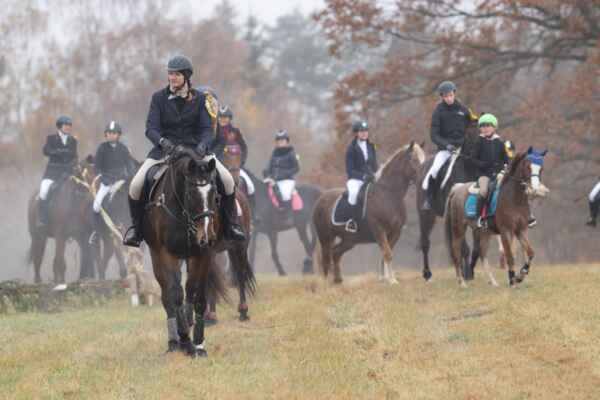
[
  {"x": 510, "y": 221},
  {"x": 385, "y": 216}
]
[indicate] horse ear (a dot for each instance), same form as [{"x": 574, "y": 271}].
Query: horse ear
[
  {"x": 89, "y": 159},
  {"x": 412, "y": 144},
  {"x": 191, "y": 166},
  {"x": 530, "y": 150},
  {"x": 422, "y": 144},
  {"x": 544, "y": 152},
  {"x": 212, "y": 164}
]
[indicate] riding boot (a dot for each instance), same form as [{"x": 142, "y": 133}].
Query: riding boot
[
  {"x": 43, "y": 216},
  {"x": 134, "y": 235},
  {"x": 98, "y": 223},
  {"x": 233, "y": 229},
  {"x": 252, "y": 203},
  {"x": 594, "y": 205},
  {"x": 352, "y": 224}
]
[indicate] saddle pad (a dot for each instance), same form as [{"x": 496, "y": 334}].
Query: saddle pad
[
  {"x": 153, "y": 176},
  {"x": 471, "y": 206},
  {"x": 297, "y": 202},
  {"x": 342, "y": 210}
]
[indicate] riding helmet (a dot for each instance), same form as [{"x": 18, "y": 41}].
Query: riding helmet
[
  {"x": 488, "y": 119},
  {"x": 113, "y": 126},
  {"x": 360, "y": 126},
  {"x": 181, "y": 63},
  {"x": 446, "y": 87},
  {"x": 225, "y": 111},
  {"x": 282, "y": 135},
  {"x": 63, "y": 120}
]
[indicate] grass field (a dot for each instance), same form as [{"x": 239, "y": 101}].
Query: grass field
[{"x": 311, "y": 340}]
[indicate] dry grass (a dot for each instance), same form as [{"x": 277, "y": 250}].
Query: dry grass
[{"x": 309, "y": 340}]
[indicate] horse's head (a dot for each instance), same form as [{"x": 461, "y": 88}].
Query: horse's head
[
  {"x": 406, "y": 162},
  {"x": 527, "y": 167},
  {"x": 87, "y": 168},
  {"x": 199, "y": 201}
]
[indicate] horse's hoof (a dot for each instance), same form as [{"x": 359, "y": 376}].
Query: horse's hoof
[
  {"x": 494, "y": 283},
  {"x": 282, "y": 273},
  {"x": 337, "y": 281},
  {"x": 244, "y": 317},
  {"x": 189, "y": 349},
  {"x": 201, "y": 352},
  {"x": 393, "y": 281},
  {"x": 173, "y": 346},
  {"x": 427, "y": 275}
]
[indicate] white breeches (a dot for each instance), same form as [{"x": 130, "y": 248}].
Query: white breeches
[
  {"x": 249, "y": 184},
  {"x": 100, "y": 195},
  {"x": 440, "y": 158},
  {"x": 137, "y": 183},
  {"x": 286, "y": 188},
  {"x": 353, "y": 186},
  {"x": 45, "y": 188},
  {"x": 594, "y": 192}
]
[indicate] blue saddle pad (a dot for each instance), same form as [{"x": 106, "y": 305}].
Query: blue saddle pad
[{"x": 471, "y": 206}]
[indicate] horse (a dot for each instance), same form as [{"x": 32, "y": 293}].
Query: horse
[
  {"x": 385, "y": 217},
  {"x": 510, "y": 220},
  {"x": 69, "y": 217},
  {"x": 270, "y": 221},
  {"x": 463, "y": 171},
  {"x": 181, "y": 222}
]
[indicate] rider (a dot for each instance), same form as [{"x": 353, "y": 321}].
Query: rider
[
  {"x": 282, "y": 168},
  {"x": 594, "y": 203},
  {"x": 491, "y": 158},
  {"x": 61, "y": 148},
  {"x": 113, "y": 164},
  {"x": 227, "y": 134},
  {"x": 179, "y": 116},
  {"x": 361, "y": 165},
  {"x": 448, "y": 125}
]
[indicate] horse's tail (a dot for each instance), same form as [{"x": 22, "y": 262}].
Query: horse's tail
[{"x": 215, "y": 287}]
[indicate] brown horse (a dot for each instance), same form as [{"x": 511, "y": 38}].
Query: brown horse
[
  {"x": 386, "y": 213},
  {"x": 182, "y": 223},
  {"x": 69, "y": 217},
  {"x": 510, "y": 220}
]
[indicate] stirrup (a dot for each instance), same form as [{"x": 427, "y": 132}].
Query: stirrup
[
  {"x": 481, "y": 223},
  {"x": 93, "y": 239},
  {"x": 591, "y": 222},
  {"x": 426, "y": 205},
  {"x": 532, "y": 222},
  {"x": 135, "y": 240},
  {"x": 351, "y": 226}
]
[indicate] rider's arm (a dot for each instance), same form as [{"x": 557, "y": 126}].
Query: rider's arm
[
  {"x": 375, "y": 163},
  {"x": 99, "y": 160},
  {"x": 205, "y": 127},
  {"x": 436, "y": 127},
  {"x": 153, "y": 121},
  {"x": 244, "y": 148},
  {"x": 48, "y": 150}
]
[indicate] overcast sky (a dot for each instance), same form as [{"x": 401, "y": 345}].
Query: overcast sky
[{"x": 265, "y": 10}]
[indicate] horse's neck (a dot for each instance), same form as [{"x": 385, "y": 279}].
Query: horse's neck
[
  {"x": 514, "y": 189},
  {"x": 389, "y": 185}
]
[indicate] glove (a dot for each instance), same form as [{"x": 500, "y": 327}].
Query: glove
[
  {"x": 166, "y": 145},
  {"x": 369, "y": 177},
  {"x": 450, "y": 147}
]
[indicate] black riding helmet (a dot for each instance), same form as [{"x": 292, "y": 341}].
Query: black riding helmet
[
  {"x": 63, "y": 120},
  {"x": 360, "y": 126},
  {"x": 282, "y": 135},
  {"x": 225, "y": 111},
  {"x": 113, "y": 126},
  {"x": 446, "y": 87},
  {"x": 181, "y": 63}
]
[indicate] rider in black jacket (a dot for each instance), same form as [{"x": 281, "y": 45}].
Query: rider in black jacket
[
  {"x": 282, "y": 168},
  {"x": 61, "y": 149}
]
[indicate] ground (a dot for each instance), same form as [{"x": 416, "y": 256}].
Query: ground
[{"x": 308, "y": 340}]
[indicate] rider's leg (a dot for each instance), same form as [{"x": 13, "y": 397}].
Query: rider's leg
[
  {"x": 97, "y": 221},
  {"x": 43, "y": 204},
  {"x": 353, "y": 186},
  {"x": 440, "y": 158},
  {"x": 134, "y": 235},
  {"x": 250, "y": 189},
  {"x": 233, "y": 229},
  {"x": 594, "y": 204},
  {"x": 483, "y": 183}
]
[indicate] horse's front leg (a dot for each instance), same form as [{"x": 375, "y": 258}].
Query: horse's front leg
[
  {"x": 386, "y": 251},
  {"x": 509, "y": 254},
  {"x": 484, "y": 245},
  {"x": 528, "y": 250}
]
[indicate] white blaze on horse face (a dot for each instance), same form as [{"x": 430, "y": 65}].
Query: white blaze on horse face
[
  {"x": 535, "y": 176},
  {"x": 204, "y": 191}
]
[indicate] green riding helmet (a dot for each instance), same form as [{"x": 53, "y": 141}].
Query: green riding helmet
[{"x": 488, "y": 119}]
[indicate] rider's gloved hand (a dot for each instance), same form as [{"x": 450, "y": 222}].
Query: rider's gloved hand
[
  {"x": 450, "y": 147},
  {"x": 368, "y": 177},
  {"x": 166, "y": 145}
]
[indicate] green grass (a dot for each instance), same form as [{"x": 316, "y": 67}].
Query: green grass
[{"x": 308, "y": 339}]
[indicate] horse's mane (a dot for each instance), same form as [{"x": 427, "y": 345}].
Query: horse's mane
[
  {"x": 514, "y": 165},
  {"x": 402, "y": 149}
]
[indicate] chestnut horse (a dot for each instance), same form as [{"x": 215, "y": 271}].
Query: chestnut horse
[
  {"x": 510, "y": 220},
  {"x": 386, "y": 213},
  {"x": 182, "y": 222}
]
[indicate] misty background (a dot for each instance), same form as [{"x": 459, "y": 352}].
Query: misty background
[{"x": 310, "y": 67}]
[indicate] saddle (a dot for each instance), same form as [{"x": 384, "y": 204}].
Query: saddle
[
  {"x": 343, "y": 211},
  {"x": 471, "y": 211},
  {"x": 153, "y": 177}
]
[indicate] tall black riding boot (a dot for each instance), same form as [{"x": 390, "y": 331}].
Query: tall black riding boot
[
  {"x": 233, "y": 230},
  {"x": 594, "y": 205},
  {"x": 98, "y": 223},
  {"x": 481, "y": 221},
  {"x": 43, "y": 216},
  {"x": 134, "y": 235}
]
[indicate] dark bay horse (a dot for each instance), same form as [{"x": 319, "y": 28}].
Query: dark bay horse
[
  {"x": 69, "y": 218},
  {"x": 463, "y": 171},
  {"x": 510, "y": 220},
  {"x": 270, "y": 221},
  {"x": 182, "y": 222},
  {"x": 386, "y": 213}
]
